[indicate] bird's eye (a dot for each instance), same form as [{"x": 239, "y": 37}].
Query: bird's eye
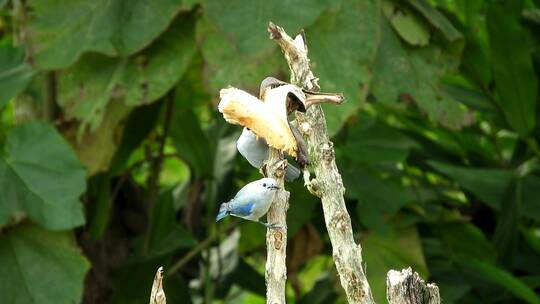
[{"x": 264, "y": 185}]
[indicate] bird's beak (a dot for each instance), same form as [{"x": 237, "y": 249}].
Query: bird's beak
[{"x": 273, "y": 187}]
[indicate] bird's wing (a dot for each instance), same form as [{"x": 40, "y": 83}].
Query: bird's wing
[
  {"x": 291, "y": 173},
  {"x": 244, "y": 193},
  {"x": 253, "y": 149},
  {"x": 242, "y": 209}
]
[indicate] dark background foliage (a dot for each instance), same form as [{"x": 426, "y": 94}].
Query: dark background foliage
[{"x": 114, "y": 159}]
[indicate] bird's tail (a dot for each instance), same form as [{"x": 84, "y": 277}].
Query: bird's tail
[
  {"x": 223, "y": 211},
  {"x": 291, "y": 173}
]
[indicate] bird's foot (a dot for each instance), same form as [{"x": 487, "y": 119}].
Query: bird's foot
[{"x": 271, "y": 226}]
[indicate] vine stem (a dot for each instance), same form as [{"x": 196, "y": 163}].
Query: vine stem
[{"x": 153, "y": 179}]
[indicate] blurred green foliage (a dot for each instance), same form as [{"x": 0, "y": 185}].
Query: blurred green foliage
[{"x": 114, "y": 159}]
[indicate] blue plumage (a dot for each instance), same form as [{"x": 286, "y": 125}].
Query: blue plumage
[{"x": 244, "y": 210}]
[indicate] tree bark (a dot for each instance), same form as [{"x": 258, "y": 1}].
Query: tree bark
[
  {"x": 328, "y": 185},
  {"x": 276, "y": 238},
  {"x": 157, "y": 295},
  {"x": 406, "y": 287}
]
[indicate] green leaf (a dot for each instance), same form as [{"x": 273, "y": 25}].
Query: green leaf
[
  {"x": 471, "y": 98},
  {"x": 323, "y": 292},
  {"x": 298, "y": 214},
  {"x": 87, "y": 87},
  {"x": 97, "y": 148},
  {"x": 15, "y": 73},
  {"x": 436, "y": 19},
  {"x": 378, "y": 199},
  {"x": 41, "y": 177},
  {"x": 249, "y": 31},
  {"x": 464, "y": 239},
  {"x": 248, "y": 278},
  {"x": 223, "y": 137},
  {"x": 400, "y": 250},
  {"x": 225, "y": 65},
  {"x": 371, "y": 142},
  {"x": 502, "y": 278},
  {"x": 409, "y": 27},
  {"x": 489, "y": 185},
  {"x": 99, "y": 211},
  {"x": 531, "y": 193},
  {"x": 132, "y": 282},
  {"x": 515, "y": 80},
  {"x": 140, "y": 122},
  {"x": 61, "y": 30},
  {"x": 343, "y": 44},
  {"x": 42, "y": 267},
  {"x": 505, "y": 238},
  {"x": 403, "y": 74},
  {"x": 190, "y": 141},
  {"x": 475, "y": 54},
  {"x": 167, "y": 234}
]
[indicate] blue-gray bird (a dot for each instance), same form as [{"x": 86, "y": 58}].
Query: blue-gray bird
[
  {"x": 252, "y": 201},
  {"x": 256, "y": 150}
]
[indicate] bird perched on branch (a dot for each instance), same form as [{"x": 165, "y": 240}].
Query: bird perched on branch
[
  {"x": 252, "y": 201},
  {"x": 255, "y": 150}
]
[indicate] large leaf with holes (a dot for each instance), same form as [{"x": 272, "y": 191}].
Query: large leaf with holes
[
  {"x": 414, "y": 75},
  {"x": 246, "y": 21},
  {"x": 61, "y": 30},
  {"x": 15, "y": 73},
  {"x": 343, "y": 44},
  {"x": 225, "y": 65},
  {"x": 515, "y": 80},
  {"x": 40, "y": 266},
  {"x": 87, "y": 87},
  {"x": 40, "y": 177}
]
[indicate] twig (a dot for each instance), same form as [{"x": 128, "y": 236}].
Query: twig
[
  {"x": 347, "y": 255},
  {"x": 50, "y": 107},
  {"x": 153, "y": 179},
  {"x": 195, "y": 251}
]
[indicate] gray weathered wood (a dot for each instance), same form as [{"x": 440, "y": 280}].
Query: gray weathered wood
[
  {"x": 406, "y": 287},
  {"x": 328, "y": 184}
]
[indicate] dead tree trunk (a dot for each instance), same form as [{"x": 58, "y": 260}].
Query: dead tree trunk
[{"x": 328, "y": 185}]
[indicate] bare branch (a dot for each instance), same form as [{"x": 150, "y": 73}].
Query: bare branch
[
  {"x": 313, "y": 98},
  {"x": 328, "y": 185},
  {"x": 276, "y": 239},
  {"x": 406, "y": 287}
]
